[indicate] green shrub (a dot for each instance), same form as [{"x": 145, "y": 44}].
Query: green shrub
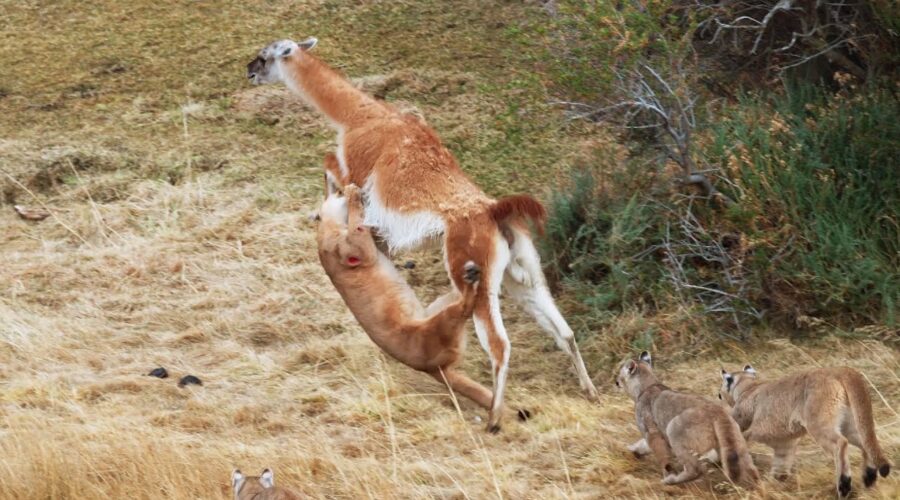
[
  {"x": 818, "y": 184},
  {"x": 596, "y": 244},
  {"x": 814, "y": 231}
]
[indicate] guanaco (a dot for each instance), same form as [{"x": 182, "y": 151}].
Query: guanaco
[{"x": 415, "y": 192}]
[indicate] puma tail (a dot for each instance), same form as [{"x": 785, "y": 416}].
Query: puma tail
[
  {"x": 861, "y": 407},
  {"x": 734, "y": 453}
]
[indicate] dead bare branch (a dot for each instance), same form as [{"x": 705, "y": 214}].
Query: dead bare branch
[
  {"x": 672, "y": 108},
  {"x": 787, "y": 33},
  {"x": 724, "y": 291}
]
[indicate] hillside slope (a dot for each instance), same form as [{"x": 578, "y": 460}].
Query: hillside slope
[{"x": 179, "y": 238}]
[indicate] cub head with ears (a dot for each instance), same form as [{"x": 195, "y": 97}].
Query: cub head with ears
[
  {"x": 268, "y": 66},
  {"x": 730, "y": 381},
  {"x": 261, "y": 487}
]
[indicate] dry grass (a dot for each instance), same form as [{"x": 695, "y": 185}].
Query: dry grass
[{"x": 179, "y": 239}]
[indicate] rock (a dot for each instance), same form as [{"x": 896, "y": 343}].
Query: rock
[
  {"x": 159, "y": 373},
  {"x": 188, "y": 380},
  {"x": 31, "y": 213}
]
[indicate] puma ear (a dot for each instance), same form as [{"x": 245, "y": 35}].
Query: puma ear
[
  {"x": 645, "y": 357},
  {"x": 631, "y": 366},
  {"x": 749, "y": 369},
  {"x": 267, "y": 478},
  {"x": 237, "y": 479},
  {"x": 308, "y": 44}
]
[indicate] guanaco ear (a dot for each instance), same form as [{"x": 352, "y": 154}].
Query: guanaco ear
[
  {"x": 749, "y": 369},
  {"x": 308, "y": 44},
  {"x": 237, "y": 479},
  {"x": 267, "y": 478},
  {"x": 631, "y": 366},
  {"x": 645, "y": 357}
]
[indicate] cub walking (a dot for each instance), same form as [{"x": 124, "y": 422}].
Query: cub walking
[
  {"x": 831, "y": 404},
  {"x": 688, "y": 425}
]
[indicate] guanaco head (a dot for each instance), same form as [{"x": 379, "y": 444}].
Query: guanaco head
[
  {"x": 267, "y": 67},
  {"x": 635, "y": 374},
  {"x": 731, "y": 380},
  {"x": 249, "y": 486}
]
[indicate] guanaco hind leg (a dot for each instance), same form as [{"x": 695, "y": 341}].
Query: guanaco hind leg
[{"x": 524, "y": 281}]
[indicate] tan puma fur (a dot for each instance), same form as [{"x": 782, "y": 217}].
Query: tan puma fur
[
  {"x": 429, "y": 339},
  {"x": 831, "y": 404},
  {"x": 260, "y": 487},
  {"x": 416, "y": 192},
  {"x": 687, "y": 425}
]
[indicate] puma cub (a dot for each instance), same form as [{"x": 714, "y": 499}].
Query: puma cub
[
  {"x": 831, "y": 404},
  {"x": 260, "y": 487},
  {"x": 690, "y": 426}
]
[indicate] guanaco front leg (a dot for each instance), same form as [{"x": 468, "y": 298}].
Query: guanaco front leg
[
  {"x": 358, "y": 246},
  {"x": 334, "y": 179}
]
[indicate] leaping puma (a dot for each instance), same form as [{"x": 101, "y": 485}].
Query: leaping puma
[
  {"x": 429, "y": 339},
  {"x": 415, "y": 191}
]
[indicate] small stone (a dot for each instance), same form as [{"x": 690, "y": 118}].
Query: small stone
[
  {"x": 188, "y": 380},
  {"x": 409, "y": 265},
  {"x": 159, "y": 373}
]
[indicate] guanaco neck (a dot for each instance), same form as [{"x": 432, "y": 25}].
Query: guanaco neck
[{"x": 335, "y": 97}]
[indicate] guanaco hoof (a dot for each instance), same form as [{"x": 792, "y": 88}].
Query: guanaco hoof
[{"x": 472, "y": 272}]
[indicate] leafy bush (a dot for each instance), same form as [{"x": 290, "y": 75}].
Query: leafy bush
[
  {"x": 813, "y": 233},
  {"x": 818, "y": 186},
  {"x": 595, "y": 243}
]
